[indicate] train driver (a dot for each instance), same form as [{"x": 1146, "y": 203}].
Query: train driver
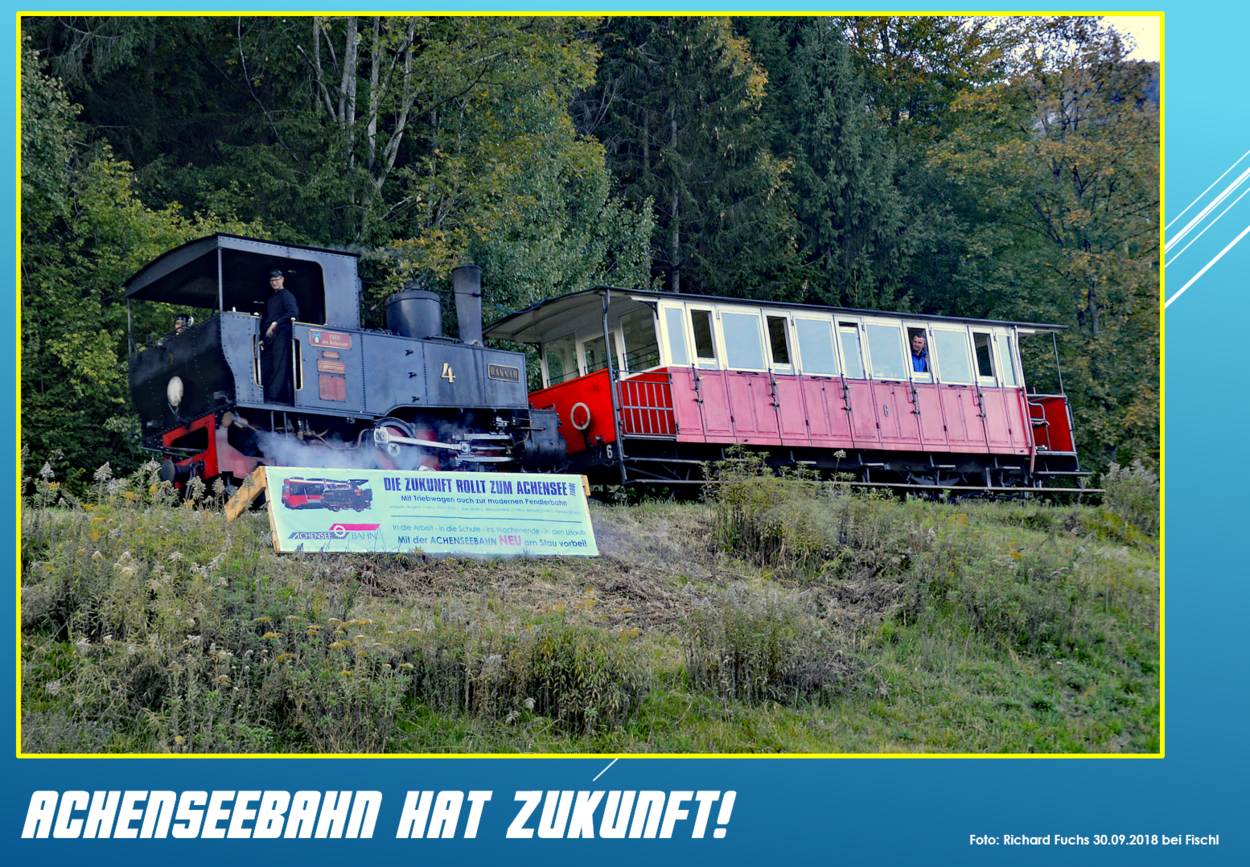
[
  {"x": 280, "y": 311},
  {"x": 919, "y": 354}
]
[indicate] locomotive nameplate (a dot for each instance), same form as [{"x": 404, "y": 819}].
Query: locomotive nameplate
[
  {"x": 328, "y": 354},
  {"x": 329, "y": 339},
  {"x": 478, "y": 514},
  {"x": 324, "y": 366},
  {"x": 503, "y": 373}
]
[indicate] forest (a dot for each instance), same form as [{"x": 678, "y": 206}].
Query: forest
[{"x": 991, "y": 167}]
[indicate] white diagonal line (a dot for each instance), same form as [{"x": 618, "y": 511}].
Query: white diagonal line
[
  {"x": 1205, "y": 268},
  {"x": 1207, "y": 226},
  {"x": 604, "y": 771},
  {"x": 1208, "y": 209},
  {"x": 1207, "y": 190}
]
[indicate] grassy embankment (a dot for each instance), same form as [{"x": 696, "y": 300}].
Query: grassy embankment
[{"x": 780, "y": 617}]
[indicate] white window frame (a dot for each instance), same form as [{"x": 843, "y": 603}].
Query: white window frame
[
  {"x": 792, "y": 342},
  {"x": 987, "y": 381},
  {"x": 719, "y": 335},
  {"x": 865, "y": 363},
  {"x": 542, "y": 358},
  {"x": 701, "y": 361},
  {"x": 865, "y": 343},
  {"x": 924, "y": 378},
  {"x": 969, "y": 353},
  {"x": 666, "y": 352},
  {"x": 837, "y": 344}
]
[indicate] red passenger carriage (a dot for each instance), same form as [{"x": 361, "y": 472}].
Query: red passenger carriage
[{"x": 649, "y": 385}]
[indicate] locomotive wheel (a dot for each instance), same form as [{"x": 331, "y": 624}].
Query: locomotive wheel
[{"x": 387, "y": 459}]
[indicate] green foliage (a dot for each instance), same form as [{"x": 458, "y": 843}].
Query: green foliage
[
  {"x": 905, "y": 626},
  {"x": 1133, "y": 495},
  {"x": 677, "y": 104},
  {"x": 47, "y": 141},
  {"x": 853, "y": 239},
  {"x": 139, "y": 638},
  {"x": 757, "y": 648},
  {"x": 91, "y": 233},
  {"x": 1062, "y": 163},
  {"x": 925, "y": 565}
]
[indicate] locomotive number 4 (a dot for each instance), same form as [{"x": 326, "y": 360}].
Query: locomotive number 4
[{"x": 447, "y": 374}]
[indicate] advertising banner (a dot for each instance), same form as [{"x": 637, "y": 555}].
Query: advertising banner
[{"x": 482, "y": 514}]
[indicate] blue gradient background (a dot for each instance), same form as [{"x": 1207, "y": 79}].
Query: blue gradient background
[{"x": 888, "y": 811}]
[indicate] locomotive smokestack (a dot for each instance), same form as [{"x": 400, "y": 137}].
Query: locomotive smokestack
[
  {"x": 414, "y": 313},
  {"x": 467, "y": 283}
]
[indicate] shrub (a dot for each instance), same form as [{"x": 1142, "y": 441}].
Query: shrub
[
  {"x": 1133, "y": 495},
  {"x": 587, "y": 680},
  {"x": 757, "y": 648}
]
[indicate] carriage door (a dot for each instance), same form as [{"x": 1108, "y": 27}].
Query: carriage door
[
  {"x": 748, "y": 382},
  {"x": 891, "y": 384},
  {"x": 927, "y": 406},
  {"x": 1000, "y": 431},
  {"x": 709, "y": 379},
  {"x": 858, "y": 401},
  {"x": 961, "y": 401}
]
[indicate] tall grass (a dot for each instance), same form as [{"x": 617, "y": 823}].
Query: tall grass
[
  {"x": 875, "y": 565},
  {"x": 782, "y": 615},
  {"x": 1133, "y": 495},
  {"x": 140, "y": 636}
]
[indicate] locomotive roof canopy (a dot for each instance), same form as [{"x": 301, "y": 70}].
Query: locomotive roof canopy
[
  {"x": 324, "y": 281},
  {"x": 535, "y": 323}
]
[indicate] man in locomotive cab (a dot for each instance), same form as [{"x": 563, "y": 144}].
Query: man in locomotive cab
[
  {"x": 919, "y": 352},
  {"x": 182, "y": 322},
  {"x": 281, "y": 311}
]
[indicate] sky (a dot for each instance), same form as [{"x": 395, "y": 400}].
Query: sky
[{"x": 1145, "y": 31}]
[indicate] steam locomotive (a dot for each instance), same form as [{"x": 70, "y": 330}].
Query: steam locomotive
[
  {"x": 637, "y": 387},
  {"x": 404, "y": 398}
]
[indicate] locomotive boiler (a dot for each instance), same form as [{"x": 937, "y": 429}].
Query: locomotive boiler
[{"x": 402, "y": 398}]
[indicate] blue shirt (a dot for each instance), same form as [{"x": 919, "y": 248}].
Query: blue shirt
[{"x": 920, "y": 363}]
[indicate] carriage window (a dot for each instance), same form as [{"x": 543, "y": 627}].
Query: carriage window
[
  {"x": 561, "y": 360},
  {"x": 951, "y": 348},
  {"x": 778, "y": 339},
  {"x": 985, "y": 354},
  {"x": 816, "y": 347},
  {"x": 676, "y": 335},
  {"x": 743, "y": 348},
  {"x": 885, "y": 345},
  {"x": 918, "y": 355},
  {"x": 596, "y": 359},
  {"x": 1007, "y": 358},
  {"x": 848, "y": 336},
  {"x": 642, "y": 350},
  {"x": 704, "y": 343}
]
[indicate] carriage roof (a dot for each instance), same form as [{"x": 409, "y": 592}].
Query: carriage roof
[{"x": 536, "y": 323}]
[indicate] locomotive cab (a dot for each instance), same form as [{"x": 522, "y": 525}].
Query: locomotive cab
[{"x": 361, "y": 398}]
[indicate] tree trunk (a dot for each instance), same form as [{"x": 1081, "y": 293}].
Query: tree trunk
[
  {"x": 375, "y": 61},
  {"x": 674, "y": 257}
]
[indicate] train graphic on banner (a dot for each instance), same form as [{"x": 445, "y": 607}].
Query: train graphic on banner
[
  {"x": 332, "y": 494},
  {"x": 633, "y": 387}
]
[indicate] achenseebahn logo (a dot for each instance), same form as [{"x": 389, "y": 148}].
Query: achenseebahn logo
[{"x": 336, "y": 531}]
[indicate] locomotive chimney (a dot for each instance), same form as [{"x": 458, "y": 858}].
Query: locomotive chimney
[
  {"x": 414, "y": 313},
  {"x": 467, "y": 283}
]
